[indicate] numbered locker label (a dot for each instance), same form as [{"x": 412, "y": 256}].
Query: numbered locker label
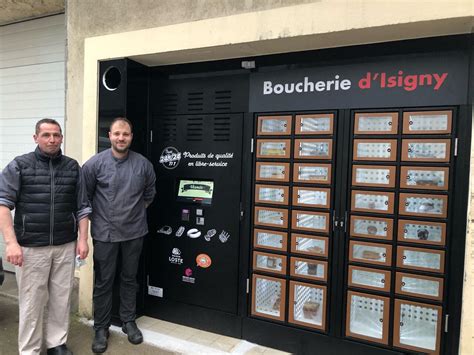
[
  {"x": 423, "y": 205},
  {"x": 309, "y": 245},
  {"x": 419, "y": 286},
  {"x": 310, "y": 221},
  {"x": 274, "y": 171},
  {"x": 273, "y": 217},
  {"x": 271, "y": 194},
  {"x": 372, "y": 279},
  {"x": 371, "y": 253},
  {"x": 312, "y": 173},
  {"x": 422, "y": 232},
  {"x": 373, "y": 150},
  {"x": 376, "y": 123},
  {"x": 314, "y": 124},
  {"x": 270, "y": 239},
  {"x": 420, "y": 259},
  {"x": 371, "y": 227},
  {"x": 313, "y": 149},
  {"x": 372, "y": 201},
  {"x": 311, "y": 197},
  {"x": 308, "y": 269},
  {"x": 274, "y": 125},
  {"x": 273, "y": 148},
  {"x": 367, "y": 317},
  {"x": 268, "y": 297},
  {"x": 269, "y": 262},
  {"x": 424, "y": 178},
  {"x": 426, "y": 150},
  {"x": 373, "y": 175},
  {"x": 427, "y": 122},
  {"x": 307, "y": 305},
  {"x": 417, "y": 326}
]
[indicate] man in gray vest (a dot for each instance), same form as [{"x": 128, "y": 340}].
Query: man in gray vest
[
  {"x": 120, "y": 185},
  {"x": 45, "y": 188}
]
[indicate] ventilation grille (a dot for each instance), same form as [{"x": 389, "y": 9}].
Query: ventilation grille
[
  {"x": 189, "y": 101},
  {"x": 223, "y": 101},
  {"x": 168, "y": 130},
  {"x": 194, "y": 129},
  {"x": 169, "y": 103},
  {"x": 221, "y": 129},
  {"x": 195, "y": 101}
]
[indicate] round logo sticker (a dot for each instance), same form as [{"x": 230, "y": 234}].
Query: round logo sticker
[
  {"x": 203, "y": 260},
  {"x": 170, "y": 157}
]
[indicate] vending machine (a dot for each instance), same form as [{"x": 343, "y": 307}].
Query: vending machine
[
  {"x": 307, "y": 205},
  {"x": 195, "y": 222}
]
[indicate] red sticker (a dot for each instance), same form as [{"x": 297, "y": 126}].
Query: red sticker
[{"x": 203, "y": 260}]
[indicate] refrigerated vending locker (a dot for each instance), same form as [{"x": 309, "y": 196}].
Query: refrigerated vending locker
[
  {"x": 355, "y": 245},
  {"x": 193, "y": 257},
  {"x": 312, "y": 205}
]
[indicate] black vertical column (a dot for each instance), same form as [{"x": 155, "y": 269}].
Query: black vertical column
[{"x": 123, "y": 92}]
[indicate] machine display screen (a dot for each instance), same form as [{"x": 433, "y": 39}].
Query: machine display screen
[{"x": 198, "y": 191}]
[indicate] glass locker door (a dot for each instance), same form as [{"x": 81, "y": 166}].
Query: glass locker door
[
  {"x": 373, "y": 213},
  {"x": 398, "y": 220},
  {"x": 293, "y": 197}
]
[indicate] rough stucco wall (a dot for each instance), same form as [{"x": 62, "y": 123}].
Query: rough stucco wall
[
  {"x": 21, "y": 10},
  {"x": 89, "y": 18}
]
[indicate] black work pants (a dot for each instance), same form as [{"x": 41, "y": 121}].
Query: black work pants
[{"x": 105, "y": 265}]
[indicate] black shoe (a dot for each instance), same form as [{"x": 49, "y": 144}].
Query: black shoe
[
  {"x": 59, "y": 350},
  {"x": 135, "y": 336},
  {"x": 99, "y": 344}
]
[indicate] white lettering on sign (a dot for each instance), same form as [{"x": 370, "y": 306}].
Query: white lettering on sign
[
  {"x": 306, "y": 85},
  {"x": 204, "y": 160}
]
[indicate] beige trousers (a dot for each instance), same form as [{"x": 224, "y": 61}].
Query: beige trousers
[{"x": 44, "y": 281}]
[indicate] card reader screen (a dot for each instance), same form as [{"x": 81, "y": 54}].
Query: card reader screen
[{"x": 198, "y": 191}]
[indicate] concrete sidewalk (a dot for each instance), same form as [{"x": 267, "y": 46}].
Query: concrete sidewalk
[{"x": 160, "y": 337}]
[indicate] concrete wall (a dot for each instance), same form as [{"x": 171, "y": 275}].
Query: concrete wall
[{"x": 180, "y": 31}]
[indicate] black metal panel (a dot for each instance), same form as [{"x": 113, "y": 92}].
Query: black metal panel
[
  {"x": 198, "y": 134},
  {"x": 128, "y": 98},
  {"x": 200, "y": 95},
  {"x": 113, "y": 100}
]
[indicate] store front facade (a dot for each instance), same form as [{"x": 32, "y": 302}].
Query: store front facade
[
  {"x": 313, "y": 199},
  {"x": 320, "y": 202}
]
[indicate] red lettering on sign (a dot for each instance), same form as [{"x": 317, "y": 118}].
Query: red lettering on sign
[{"x": 407, "y": 82}]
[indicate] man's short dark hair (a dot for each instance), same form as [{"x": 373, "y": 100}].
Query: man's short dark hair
[
  {"x": 123, "y": 119},
  {"x": 49, "y": 121}
]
